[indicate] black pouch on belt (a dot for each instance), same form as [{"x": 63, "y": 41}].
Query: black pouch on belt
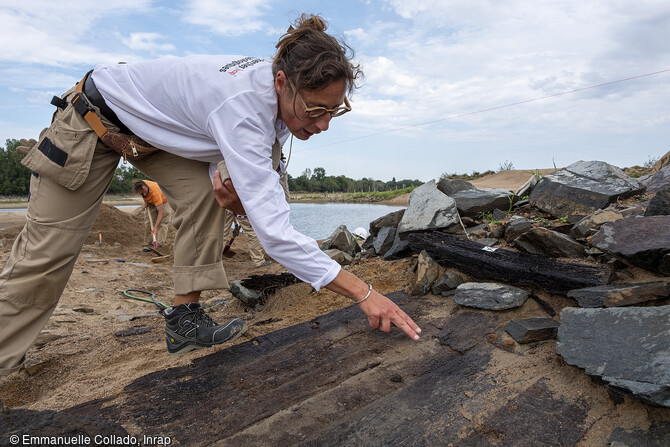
[{"x": 64, "y": 150}]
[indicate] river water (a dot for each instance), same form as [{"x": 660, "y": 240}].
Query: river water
[{"x": 319, "y": 220}]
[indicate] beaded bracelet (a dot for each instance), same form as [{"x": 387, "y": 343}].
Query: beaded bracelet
[{"x": 366, "y": 296}]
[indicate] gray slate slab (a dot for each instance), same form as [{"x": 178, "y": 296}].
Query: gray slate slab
[
  {"x": 429, "y": 209},
  {"x": 447, "y": 283},
  {"x": 341, "y": 240},
  {"x": 528, "y": 330},
  {"x": 472, "y": 202},
  {"x": 339, "y": 256},
  {"x": 582, "y": 188},
  {"x": 644, "y": 241},
  {"x": 389, "y": 220},
  {"x": 384, "y": 240},
  {"x": 516, "y": 226},
  {"x": 621, "y": 294},
  {"x": 590, "y": 224},
  {"x": 427, "y": 271},
  {"x": 490, "y": 296},
  {"x": 400, "y": 247},
  {"x": 657, "y": 181},
  {"x": 546, "y": 242},
  {"x": 629, "y": 348},
  {"x": 659, "y": 205},
  {"x": 451, "y": 186}
]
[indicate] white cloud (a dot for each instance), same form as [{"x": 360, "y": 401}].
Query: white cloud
[
  {"x": 34, "y": 96},
  {"x": 147, "y": 42},
  {"x": 226, "y": 17},
  {"x": 275, "y": 31},
  {"x": 57, "y": 33},
  {"x": 451, "y": 58},
  {"x": 358, "y": 33}
]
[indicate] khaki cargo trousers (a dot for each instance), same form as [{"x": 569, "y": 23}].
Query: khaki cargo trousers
[{"x": 62, "y": 210}]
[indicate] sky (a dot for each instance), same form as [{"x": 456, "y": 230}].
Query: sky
[{"x": 450, "y": 86}]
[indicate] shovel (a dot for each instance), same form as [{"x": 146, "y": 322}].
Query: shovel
[
  {"x": 157, "y": 252},
  {"x": 151, "y": 222}
]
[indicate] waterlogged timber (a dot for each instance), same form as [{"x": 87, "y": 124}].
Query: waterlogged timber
[
  {"x": 511, "y": 267},
  {"x": 330, "y": 381}
]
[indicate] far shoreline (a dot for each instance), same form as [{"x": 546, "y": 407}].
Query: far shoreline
[
  {"x": 509, "y": 179},
  {"x": 17, "y": 215},
  {"x": 402, "y": 200}
]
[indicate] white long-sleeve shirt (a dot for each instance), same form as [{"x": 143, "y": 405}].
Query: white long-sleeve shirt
[{"x": 208, "y": 108}]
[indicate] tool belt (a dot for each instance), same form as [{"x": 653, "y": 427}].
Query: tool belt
[{"x": 124, "y": 142}]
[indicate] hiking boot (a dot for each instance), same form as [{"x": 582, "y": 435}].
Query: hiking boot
[{"x": 187, "y": 327}]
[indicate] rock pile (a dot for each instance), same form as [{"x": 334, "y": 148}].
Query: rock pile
[
  {"x": 570, "y": 233},
  {"x": 589, "y": 220}
]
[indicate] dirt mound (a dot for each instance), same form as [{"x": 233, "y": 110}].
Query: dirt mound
[
  {"x": 9, "y": 234},
  {"x": 512, "y": 179},
  {"x": 116, "y": 226}
]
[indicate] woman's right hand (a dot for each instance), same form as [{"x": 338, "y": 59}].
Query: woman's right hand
[
  {"x": 226, "y": 196},
  {"x": 382, "y": 313}
]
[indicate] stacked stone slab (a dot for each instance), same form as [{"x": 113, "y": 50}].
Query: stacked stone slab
[{"x": 582, "y": 188}]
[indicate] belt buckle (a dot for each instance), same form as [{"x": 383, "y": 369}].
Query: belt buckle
[{"x": 81, "y": 105}]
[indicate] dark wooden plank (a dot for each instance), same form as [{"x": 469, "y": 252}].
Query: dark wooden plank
[
  {"x": 330, "y": 381},
  {"x": 511, "y": 267}
]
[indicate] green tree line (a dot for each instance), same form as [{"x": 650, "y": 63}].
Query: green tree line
[
  {"x": 317, "y": 181},
  {"x": 15, "y": 178}
]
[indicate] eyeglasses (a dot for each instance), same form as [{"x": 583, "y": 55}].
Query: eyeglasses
[{"x": 315, "y": 112}]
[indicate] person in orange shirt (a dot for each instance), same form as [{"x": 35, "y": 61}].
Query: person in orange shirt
[{"x": 161, "y": 213}]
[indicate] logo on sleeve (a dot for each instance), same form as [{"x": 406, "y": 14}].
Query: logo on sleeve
[{"x": 234, "y": 67}]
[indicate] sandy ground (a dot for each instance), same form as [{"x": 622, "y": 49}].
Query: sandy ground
[
  {"x": 99, "y": 340},
  {"x": 511, "y": 179},
  {"x": 82, "y": 353},
  {"x": 12, "y": 219},
  {"x": 15, "y": 218}
]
